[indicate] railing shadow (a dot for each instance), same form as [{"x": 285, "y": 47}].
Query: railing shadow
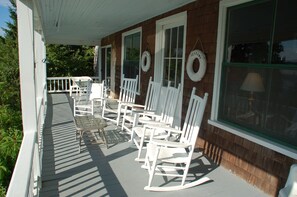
[{"x": 65, "y": 171}]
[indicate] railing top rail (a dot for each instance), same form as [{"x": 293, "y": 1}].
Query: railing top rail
[
  {"x": 57, "y": 78},
  {"x": 23, "y": 167},
  {"x": 49, "y": 78}
]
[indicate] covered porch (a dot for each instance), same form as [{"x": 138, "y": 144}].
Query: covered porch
[
  {"x": 49, "y": 163},
  {"x": 98, "y": 171}
]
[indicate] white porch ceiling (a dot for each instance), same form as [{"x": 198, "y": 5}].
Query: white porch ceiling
[{"x": 85, "y": 22}]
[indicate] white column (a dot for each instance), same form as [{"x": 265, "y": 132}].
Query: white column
[{"x": 26, "y": 64}]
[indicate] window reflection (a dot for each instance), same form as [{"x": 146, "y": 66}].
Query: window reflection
[
  {"x": 131, "y": 55},
  {"x": 271, "y": 110}
]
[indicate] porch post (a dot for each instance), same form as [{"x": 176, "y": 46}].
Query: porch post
[
  {"x": 22, "y": 182},
  {"x": 26, "y": 64}
]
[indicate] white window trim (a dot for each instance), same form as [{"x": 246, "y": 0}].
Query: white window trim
[
  {"x": 133, "y": 31},
  {"x": 290, "y": 152},
  {"x": 99, "y": 58},
  {"x": 105, "y": 47}
]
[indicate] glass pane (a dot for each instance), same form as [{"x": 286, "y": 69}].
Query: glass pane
[
  {"x": 136, "y": 42},
  {"x": 166, "y": 72},
  {"x": 172, "y": 71},
  {"x": 285, "y": 40},
  {"x": 103, "y": 63},
  {"x": 180, "y": 41},
  {"x": 127, "y": 46},
  {"x": 179, "y": 71},
  {"x": 167, "y": 43},
  {"x": 174, "y": 42},
  {"x": 132, "y": 55},
  {"x": 131, "y": 68},
  {"x": 249, "y": 33},
  {"x": 108, "y": 62},
  {"x": 261, "y": 100}
]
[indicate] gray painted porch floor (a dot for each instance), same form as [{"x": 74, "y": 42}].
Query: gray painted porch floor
[{"x": 98, "y": 171}]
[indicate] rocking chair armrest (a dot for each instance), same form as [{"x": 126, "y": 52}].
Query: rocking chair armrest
[
  {"x": 98, "y": 99},
  {"x": 134, "y": 105},
  {"x": 111, "y": 99},
  {"x": 126, "y": 104},
  {"x": 169, "y": 144},
  {"x": 163, "y": 126},
  {"x": 149, "y": 114},
  {"x": 154, "y": 124}
]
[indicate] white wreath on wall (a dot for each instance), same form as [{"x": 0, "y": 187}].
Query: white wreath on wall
[
  {"x": 145, "y": 61},
  {"x": 196, "y": 76}
]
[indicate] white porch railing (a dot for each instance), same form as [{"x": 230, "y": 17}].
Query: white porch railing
[
  {"x": 26, "y": 178},
  {"x": 61, "y": 84}
]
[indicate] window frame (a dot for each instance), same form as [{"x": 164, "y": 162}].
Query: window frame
[
  {"x": 214, "y": 121},
  {"x": 127, "y": 33},
  {"x": 105, "y": 60}
]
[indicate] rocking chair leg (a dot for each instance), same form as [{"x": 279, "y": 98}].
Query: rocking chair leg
[
  {"x": 140, "y": 147},
  {"x": 152, "y": 168},
  {"x": 119, "y": 114},
  {"x": 185, "y": 173}
]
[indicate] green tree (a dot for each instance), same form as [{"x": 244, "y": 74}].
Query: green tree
[
  {"x": 9, "y": 68},
  {"x": 69, "y": 60},
  {"x": 10, "y": 110}
]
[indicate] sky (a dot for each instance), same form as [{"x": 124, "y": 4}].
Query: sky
[{"x": 4, "y": 14}]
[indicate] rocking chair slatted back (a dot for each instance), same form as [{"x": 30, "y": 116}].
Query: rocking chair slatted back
[
  {"x": 84, "y": 103},
  {"x": 151, "y": 105},
  {"x": 128, "y": 89},
  {"x": 169, "y": 107},
  {"x": 152, "y": 95},
  {"x": 193, "y": 118}
]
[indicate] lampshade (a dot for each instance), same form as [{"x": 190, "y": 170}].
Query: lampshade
[{"x": 253, "y": 83}]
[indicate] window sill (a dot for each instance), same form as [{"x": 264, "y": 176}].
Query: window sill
[{"x": 290, "y": 152}]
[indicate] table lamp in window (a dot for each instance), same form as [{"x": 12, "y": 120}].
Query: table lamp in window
[{"x": 252, "y": 83}]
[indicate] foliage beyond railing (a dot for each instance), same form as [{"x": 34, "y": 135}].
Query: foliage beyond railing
[{"x": 61, "y": 84}]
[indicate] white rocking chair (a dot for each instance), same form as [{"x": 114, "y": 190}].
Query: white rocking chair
[
  {"x": 128, "y": 92},
  {"x": 166, "y": 158},
  {"x": 290, "y": 188},
  {"x": 87, "y": 102},
  {"x": 141, "y": 133},
  {"x": 79, "y": 85},
  {"x": 150, "y": 106}
]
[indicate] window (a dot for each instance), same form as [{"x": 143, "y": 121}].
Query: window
[
  {"x": 170, "y": 49},
  {"x": 131, "y": 53},
  {"x": 258, "y": 79},
  {"x": 173, "y": 55}
]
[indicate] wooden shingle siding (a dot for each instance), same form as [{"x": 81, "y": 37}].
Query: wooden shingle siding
[{"x": 260, "y": 166}]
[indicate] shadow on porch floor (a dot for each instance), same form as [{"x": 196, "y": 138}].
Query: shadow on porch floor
[{"x": 98, "y": 171}]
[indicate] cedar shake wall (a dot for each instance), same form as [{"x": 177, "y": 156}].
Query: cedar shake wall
[{"x": 260, "y": 166}]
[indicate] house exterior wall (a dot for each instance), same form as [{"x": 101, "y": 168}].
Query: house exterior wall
[{"x": 260, "y": 166}]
